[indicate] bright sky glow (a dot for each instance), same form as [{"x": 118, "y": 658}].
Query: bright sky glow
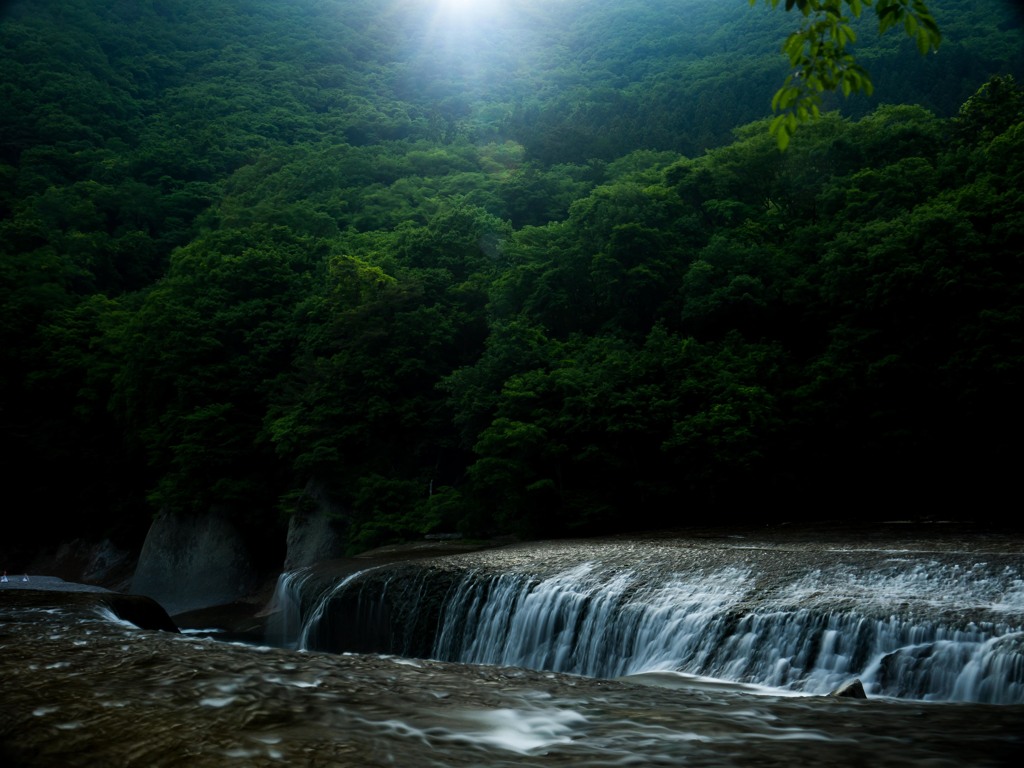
[
  {"x": 467, "y": 40},
  {"x": 466, "y": 12},
  {"x": 465, "y": 6},
  {"x": 453, "y": 21}
]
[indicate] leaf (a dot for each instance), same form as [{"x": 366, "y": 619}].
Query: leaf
[{"x": 817, "y": 51}]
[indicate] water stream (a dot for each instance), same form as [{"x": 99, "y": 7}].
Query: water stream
[
  {"x": 923, "y": 623},
  {"x": 701, "y": 653}
]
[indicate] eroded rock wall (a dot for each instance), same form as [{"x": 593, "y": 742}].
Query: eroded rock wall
[
  {"x": 192, "y": 562},
  {"x": 315, "y": 535}
]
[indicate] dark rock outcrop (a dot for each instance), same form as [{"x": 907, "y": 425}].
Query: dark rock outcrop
[
  {"x": 141, "y": 611},
  {"x": 88, "y": 561},
  {"x": 192, "y": 562},
  {"x": 852, "y": 689},
  {"x": 314, "y": 536}
]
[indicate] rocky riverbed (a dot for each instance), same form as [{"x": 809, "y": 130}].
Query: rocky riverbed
[{"x": 84, "y": 688}]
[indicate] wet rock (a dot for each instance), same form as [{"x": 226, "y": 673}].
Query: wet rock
[
  {"x": 852, "y": 689},
  {"x": 139, "y": 610}
]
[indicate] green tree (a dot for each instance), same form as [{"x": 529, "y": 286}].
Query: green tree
[
  {"x": 198, "y": 358},
  {"x": 996, "y": 106}
]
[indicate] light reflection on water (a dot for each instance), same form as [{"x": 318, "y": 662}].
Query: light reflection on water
[{"x": 82, "y": 690}]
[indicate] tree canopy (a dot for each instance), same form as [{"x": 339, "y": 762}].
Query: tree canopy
[{"x": 259, "y": 257}]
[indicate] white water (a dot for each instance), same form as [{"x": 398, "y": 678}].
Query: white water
[
  {"x": 579, "y": 622},
  {"x": 83, "y": 689},
  {"x": 717, "y": 624},
  {"x": 285, "y": 625},
  {"x": 909, "y": 626}
]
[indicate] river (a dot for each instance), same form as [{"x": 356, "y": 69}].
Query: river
[{"x": 82, "y": 688}]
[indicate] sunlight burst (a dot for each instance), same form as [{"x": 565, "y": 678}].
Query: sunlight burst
[{"x": 466, "y": 10}]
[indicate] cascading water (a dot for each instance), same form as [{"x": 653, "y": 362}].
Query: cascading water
[
  {"x": 285, "y": 623},
  {"x": 588, "y": 623},
  {"x": 943, "y": 626},
  {"x": 716, "y": 625}
]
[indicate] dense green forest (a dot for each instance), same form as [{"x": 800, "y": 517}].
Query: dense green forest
[{"x": 532, "y": 267}]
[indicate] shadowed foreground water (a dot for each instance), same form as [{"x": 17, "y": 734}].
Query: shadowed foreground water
[{"x": 82, "y": 688}]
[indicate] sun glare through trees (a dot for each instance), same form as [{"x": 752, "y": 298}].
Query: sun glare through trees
[{"x": 466, "y": 12}]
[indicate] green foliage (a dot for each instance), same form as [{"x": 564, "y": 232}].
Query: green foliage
[
  {"x": 544, "y": 279},
  {"x": 993, "y": 109},
  {"x": 817, "y": 52},
  {"x": 198, "y": 354},
  {"x": 362, "y": 413}
]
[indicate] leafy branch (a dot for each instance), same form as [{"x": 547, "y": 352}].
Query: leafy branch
[{"x": 818, "y": 53}]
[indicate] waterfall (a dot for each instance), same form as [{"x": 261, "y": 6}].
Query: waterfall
[
  {"x": 581, "y": 623},
  {"x": 285, "y": 621},
  {"x": 925, "y": 626},
  {"x": 300, "y": 609}
]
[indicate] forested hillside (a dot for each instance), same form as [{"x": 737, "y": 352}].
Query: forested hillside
[{"x": 531, "y": 267}]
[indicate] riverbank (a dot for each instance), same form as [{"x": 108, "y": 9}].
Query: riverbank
[{"x": 246, "y": 620}]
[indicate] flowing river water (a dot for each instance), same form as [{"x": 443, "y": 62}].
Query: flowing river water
[{"x": 704, "y": 651}]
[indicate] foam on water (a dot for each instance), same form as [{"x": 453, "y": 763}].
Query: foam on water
[
  {"x": 161, "y": 700},
  {"x": 108, "y": 615},
  {"x": 217, "y": 702},
  {"x": 523, "y": 731},
  {"x": 928, "y": 624}
]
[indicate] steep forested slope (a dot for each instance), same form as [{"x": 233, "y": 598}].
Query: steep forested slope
[{"x": 533, "y": 270}]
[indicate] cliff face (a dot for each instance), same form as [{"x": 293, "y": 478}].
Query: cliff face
[
  {"x": 186, "y": 563},
  {"x": 102, "y": 563},
  {"x": 192, "y": 562},
  {"x": 316, "y": 535}
]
